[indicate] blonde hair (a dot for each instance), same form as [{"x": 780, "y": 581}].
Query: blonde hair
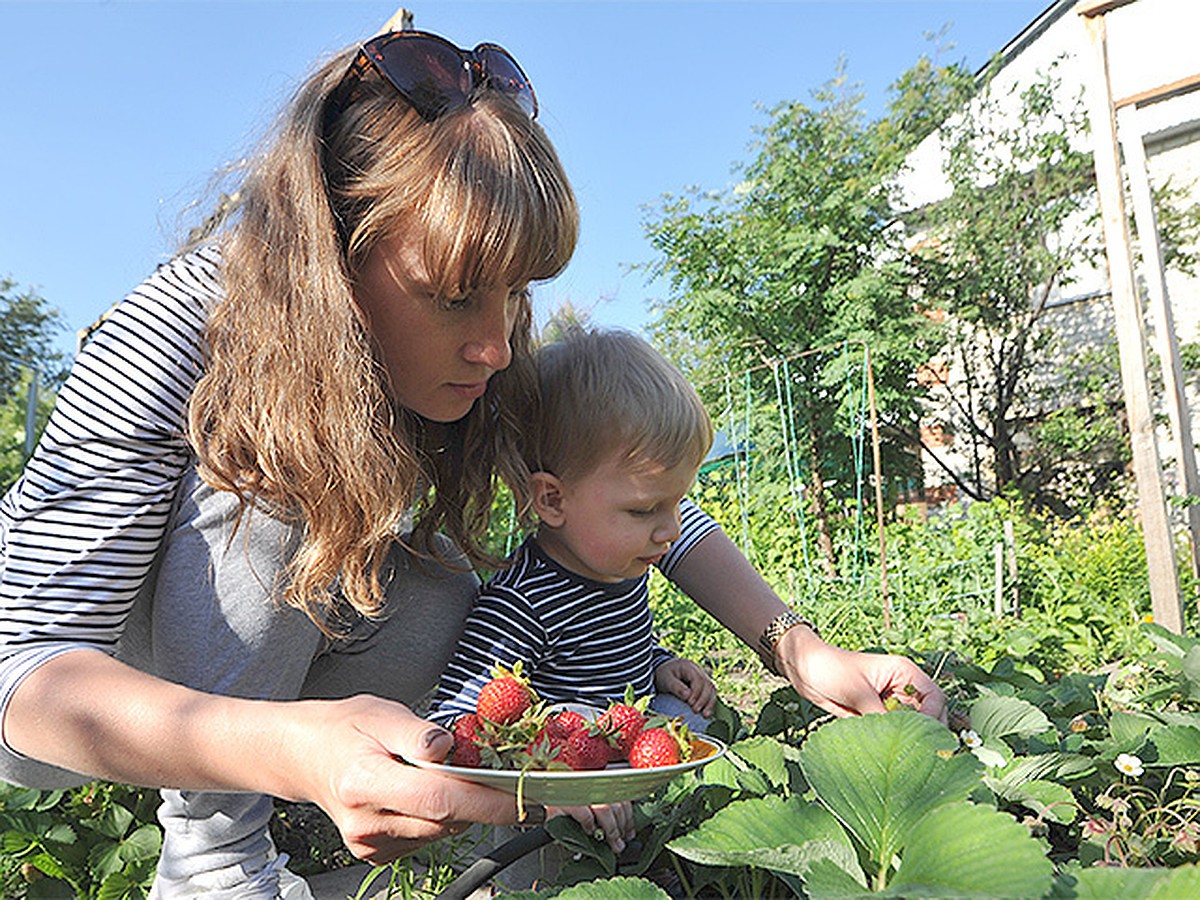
[
  {"x": 603, "y": 391},
  {"x": 294, "y": 409}
]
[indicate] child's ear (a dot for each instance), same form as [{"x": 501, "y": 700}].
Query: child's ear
[{"x": 547, "y": 498}]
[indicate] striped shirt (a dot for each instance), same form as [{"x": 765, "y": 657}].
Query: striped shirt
[
  {"x": 577, "y": 640},
  {"x": 79, "y": 531}
]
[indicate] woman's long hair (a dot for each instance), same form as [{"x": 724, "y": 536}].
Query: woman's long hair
[{"x": 294, "y": 410}]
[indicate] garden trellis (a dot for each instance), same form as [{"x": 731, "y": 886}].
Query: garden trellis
[
  {"x": 759, "y": 484},
  {"x": 759, "y": 459}
]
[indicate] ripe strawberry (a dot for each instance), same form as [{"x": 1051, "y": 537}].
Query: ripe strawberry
[
  {"x": 505, "y": 698},
  {"x": 544, "y": 752},
  {"x": 466, "y": 754},
  {"x": 584, "y": 748},
  {"x": 466, "y": 727},
  {"x": 563, "y": 723},
  {"x": 621, "y": 723},
  {"x": 466, "y": 749},
  {"x": 658, "y": 747}
]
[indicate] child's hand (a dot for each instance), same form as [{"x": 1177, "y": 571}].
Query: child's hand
[
  {"x": 611, "y": 822},
  {"x": 690, "y": 683}
]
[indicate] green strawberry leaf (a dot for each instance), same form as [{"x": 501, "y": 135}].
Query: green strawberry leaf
[
  {"x": 961, "y": 850},
  {"x": 769, "y": 833},
  {"x": 881, "y": 774}
]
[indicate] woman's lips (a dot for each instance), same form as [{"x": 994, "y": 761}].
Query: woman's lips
[{"x": 472, "y": 391}]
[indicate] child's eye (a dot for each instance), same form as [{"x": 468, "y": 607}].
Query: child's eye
[{"x": 641, "y": 513}]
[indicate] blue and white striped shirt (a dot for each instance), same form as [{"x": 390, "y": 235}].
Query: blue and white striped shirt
[
  {"x": 80, "y": 530},
  {"x": 577, "y": 640}
]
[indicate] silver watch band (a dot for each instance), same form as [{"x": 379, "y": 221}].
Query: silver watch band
[{"x": 774, "y": 632}]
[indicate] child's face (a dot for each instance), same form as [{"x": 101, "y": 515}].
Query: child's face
[{"x": 618, "y": 520}]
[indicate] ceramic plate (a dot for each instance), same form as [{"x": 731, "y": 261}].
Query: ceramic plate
[{"x": 611, "y": 785}]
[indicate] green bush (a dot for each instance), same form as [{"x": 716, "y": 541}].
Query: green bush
[{"x": 98, "y": 841}]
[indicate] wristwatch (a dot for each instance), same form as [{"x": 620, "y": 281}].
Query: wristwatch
[{"x": 774, "y": 632}]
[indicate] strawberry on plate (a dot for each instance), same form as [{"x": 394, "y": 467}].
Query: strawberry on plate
[
  {"x": 467, "y": 741},
  {"x": 660, "y": 746},
  {"x": 505, "y": 698},
  {"x": 563, "y": 722},
  {"x": 585, "y": 748},
  {"x": 621, "y": 723}
]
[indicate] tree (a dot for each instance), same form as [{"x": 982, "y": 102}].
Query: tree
[
  {"x": 28, "y": 329},
  {"x": 28, "y": 326},
  {"x": 996, "y": 251},
  {"x": 802, "y": 255},
  {"x": 1020, "y": 219}
]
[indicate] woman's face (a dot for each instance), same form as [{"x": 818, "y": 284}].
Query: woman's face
[{"x": 439, "y": 352}]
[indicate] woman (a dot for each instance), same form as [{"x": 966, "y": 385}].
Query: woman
[{"x": 242, "y": 551}]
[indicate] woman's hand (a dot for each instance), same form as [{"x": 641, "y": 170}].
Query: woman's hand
[
  {"x": 684, "y": 679},
  {"x": 383, "y": 807},
  {"x": 847, "y": 683},
  {"x": 843, "y": 682}
]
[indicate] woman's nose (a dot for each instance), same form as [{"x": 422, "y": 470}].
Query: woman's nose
[{"x": 490, "y": 345}]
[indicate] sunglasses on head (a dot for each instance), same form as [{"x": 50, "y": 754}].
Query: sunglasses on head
[{"x": 434, "y": 75}]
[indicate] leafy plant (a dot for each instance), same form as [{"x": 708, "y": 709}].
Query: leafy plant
[
  {"x": 98, "y": 841},
  {"x": 1071, "y": 786}
]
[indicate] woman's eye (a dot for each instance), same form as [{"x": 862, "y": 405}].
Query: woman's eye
[{"x": 456, "y": 303}]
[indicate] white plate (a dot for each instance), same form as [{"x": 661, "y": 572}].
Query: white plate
[
  {"x": 616, "y": 783},
  {"x": 562, "y": 788}
]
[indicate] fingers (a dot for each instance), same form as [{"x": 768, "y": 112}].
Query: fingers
[
  {"x": 611, "y": 822},
  {"x": 691, "y": 684},
  {"x": 668, "y": 681},
  {"x": 705, "y": 701},
  {"x": 847, "y": 683},
  {"x": 928, "y": 697},
  {"x": 383, "y": 806},
  {"x": 910, "y": 685},
  {"x": 392, "y": 813},
  {"x": 863, "y": 698}
]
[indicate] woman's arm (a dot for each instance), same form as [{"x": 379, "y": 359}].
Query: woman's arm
[
  {"x": 88, "y": 712},
  {"x": 721, "y": 580}
]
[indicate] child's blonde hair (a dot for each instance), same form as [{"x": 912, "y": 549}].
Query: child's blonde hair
[{"x": 603, "y": 391}]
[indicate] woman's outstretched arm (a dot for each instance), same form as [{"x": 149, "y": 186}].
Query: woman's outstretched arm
[{"x": 722, "y": 581}]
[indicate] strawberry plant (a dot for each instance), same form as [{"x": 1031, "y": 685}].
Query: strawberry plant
[
  {"x": 1084, "y": 785},
  {"x": 97, "y": 841}
]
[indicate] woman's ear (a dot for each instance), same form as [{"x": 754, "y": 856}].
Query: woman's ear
[{"x": 546, "y": 496}]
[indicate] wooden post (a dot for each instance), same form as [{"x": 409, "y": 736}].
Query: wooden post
[
  {"x": 998, "y": 579},
  {"x": 1180, "y": 416},
  {"x": 1010, "y": 544},
  {"x": 877, "y": 473},
  {"x": 1156, "y": 530}
]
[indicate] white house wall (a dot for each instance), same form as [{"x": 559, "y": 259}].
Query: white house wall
[{"x": 1151, "y": 43}]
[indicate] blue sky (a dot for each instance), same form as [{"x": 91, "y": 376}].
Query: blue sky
[{"x": 115, "y": 115}]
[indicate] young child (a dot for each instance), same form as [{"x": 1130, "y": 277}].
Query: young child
[{"x": 616, "y": 444}]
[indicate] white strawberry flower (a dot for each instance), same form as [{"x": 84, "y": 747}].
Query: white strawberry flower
[
  {"x": 970, "y": 738},
  {"x": 1128, "y": 764}
]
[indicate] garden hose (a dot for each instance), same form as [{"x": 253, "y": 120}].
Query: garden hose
[{"x": 486, "y": 867}]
